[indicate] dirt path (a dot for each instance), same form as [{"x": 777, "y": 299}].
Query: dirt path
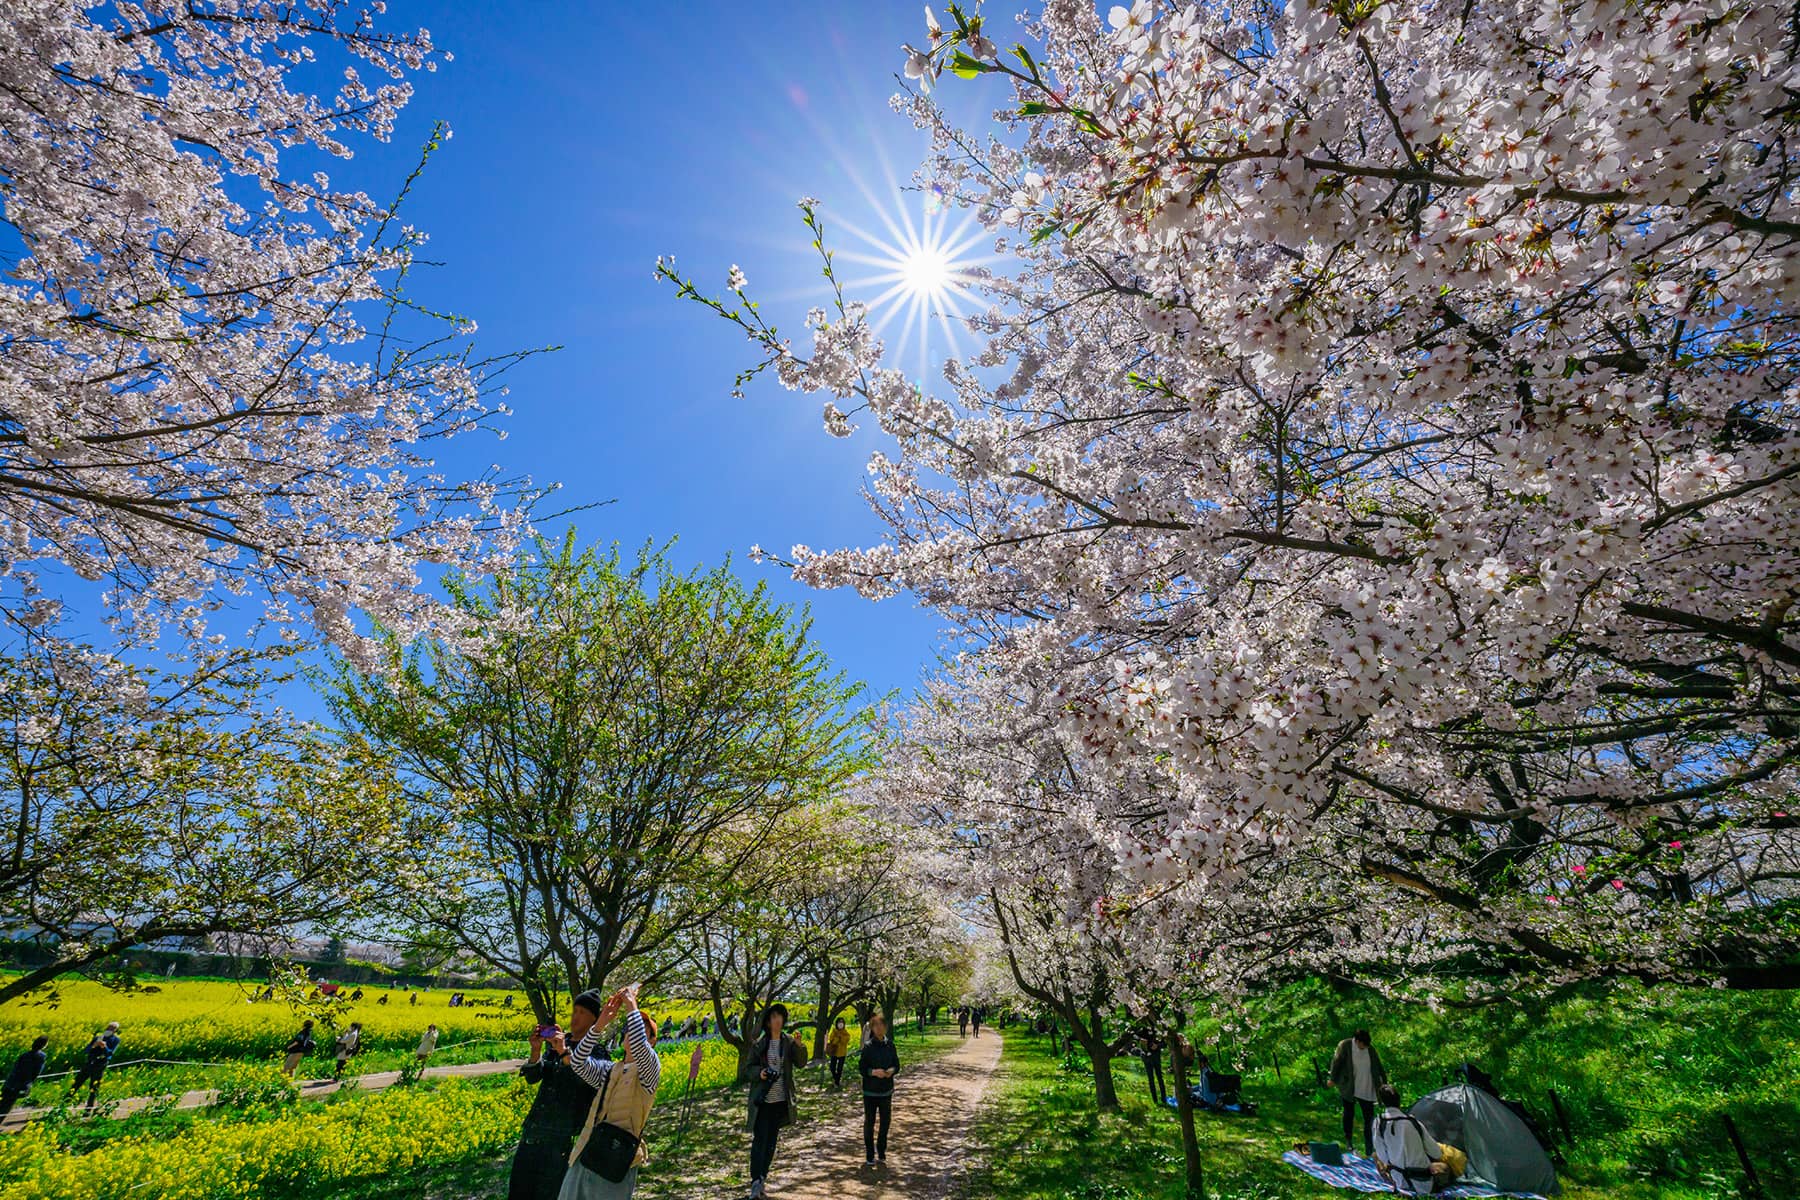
[
  {"x": 933, "y": 1108},
  {"x": 310, "y": 1089}
]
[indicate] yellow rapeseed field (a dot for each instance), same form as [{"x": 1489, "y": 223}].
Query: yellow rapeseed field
[
  {"x": 215, "y": 1021},
  {"x": 310, "y": 1145}
]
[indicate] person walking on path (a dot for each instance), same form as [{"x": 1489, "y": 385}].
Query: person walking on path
[
  {"x": 427, "y": 1044},
  {"x": 975, "y": 1019},
  {"x": 962, "y": 1022},
  {"x": 774, "y": 1058},
  {"x": 25, "y": 1071},
  {"x": 879, "y": 1064},
  {"x": 603, "y": 1164},
  {"x": 100, "y": 1052},
  {"x": 1357, "y": 1073},
  {"x": 558, "y": 1107},
  {"x": 837, "y": 1049},
  {"x": 298, "y": 1047},
  {"x": 349, "y": 1044}
]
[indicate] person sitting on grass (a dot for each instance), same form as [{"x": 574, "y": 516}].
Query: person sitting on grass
[{"x": 1405, "y": 1152}]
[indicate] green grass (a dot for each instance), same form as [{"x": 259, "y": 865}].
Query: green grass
[{"x": 1645, "y": 1074}]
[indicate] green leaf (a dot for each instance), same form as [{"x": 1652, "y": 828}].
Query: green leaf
[{"x": 966, "y": 67}]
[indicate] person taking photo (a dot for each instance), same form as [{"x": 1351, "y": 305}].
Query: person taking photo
[
  {"x": 604, "y": 1161},
  {"x": 558, "y": 1106}
]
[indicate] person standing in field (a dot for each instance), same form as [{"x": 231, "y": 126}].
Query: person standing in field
[
  {"x": 837, "y": 1049},
  {"x": 558, "y": 1106},
  {"x": 774, "y": 1057},
  {"x": 298, "y": 1047},
  {"x": 1357, "y": 1073},
  {"x": 604, "y": 1162},
  {"x": 879, "y": 1064},
  {"x": 1150, "y": 1047},
  {"x": 25, "y": 1071},
  {"x": 349, "y": 1043},
  {"x": 427, "y": 1044},
  {"x": 99, "y": 1054}
]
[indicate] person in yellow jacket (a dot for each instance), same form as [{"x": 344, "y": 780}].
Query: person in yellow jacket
[{"x": 837, "y": 1049}]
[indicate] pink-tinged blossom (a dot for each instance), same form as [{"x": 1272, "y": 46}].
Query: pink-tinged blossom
[
  {"x": 1379, "y": 421},
  {"x": 201, "y": 393}
]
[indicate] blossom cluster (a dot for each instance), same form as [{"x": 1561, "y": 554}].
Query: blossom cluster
[{"x": 1386, "y": 435}]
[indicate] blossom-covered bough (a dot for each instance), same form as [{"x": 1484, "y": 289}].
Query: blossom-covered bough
[
  {"x": 212, "y": 380},
  {"x": 1387, "y": 435}
]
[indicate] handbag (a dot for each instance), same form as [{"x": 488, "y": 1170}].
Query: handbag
[{"x": 610, "y": 1150}]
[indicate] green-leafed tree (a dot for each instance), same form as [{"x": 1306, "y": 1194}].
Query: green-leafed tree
[
  {"x": 139, "y": 806},
  {"x": 583, "y": 750}
]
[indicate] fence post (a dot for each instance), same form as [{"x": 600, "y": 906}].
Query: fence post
[{"x": 1756, "y": 1187}]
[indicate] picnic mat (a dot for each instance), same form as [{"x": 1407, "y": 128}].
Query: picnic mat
[{"x": 1359, "y": 1175}]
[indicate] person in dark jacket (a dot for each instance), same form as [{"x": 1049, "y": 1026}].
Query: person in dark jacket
[
  {"x": 100, "y": 1052},
  {"x": 25, "y": 1071},
  {"x": 1357, "y": 1074},
  {"x": 879, "y": 1064},
  {"x": 557, "y": 1110},
  {"x": 1150, "y": 1048},
  {"x": 774, "y": 1057},
  {"x": 298, "y": 1047}
]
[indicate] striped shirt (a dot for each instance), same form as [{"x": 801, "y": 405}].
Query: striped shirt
[{"x": 638, "y": 1051}]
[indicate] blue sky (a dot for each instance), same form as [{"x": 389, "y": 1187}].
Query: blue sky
[{"x": 588, "y": 140}]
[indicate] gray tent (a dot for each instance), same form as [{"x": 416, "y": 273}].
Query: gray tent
[{"x": 1502, "y": 1152}]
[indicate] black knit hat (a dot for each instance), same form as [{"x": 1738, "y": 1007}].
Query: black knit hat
[
  {"x": 771, "y": 1011},
  {"x": 590, "y": 1000}
]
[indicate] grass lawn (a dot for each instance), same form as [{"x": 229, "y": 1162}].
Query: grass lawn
[{"x": 1040, "y": 1136}]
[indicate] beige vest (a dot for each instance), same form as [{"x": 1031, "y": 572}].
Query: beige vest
[{"x": 627, "y": 1106}]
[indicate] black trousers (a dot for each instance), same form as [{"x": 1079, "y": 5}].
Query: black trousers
[
  {"x": 537, "y": 1170},
  {"x": 7, "y": 1100},
  {"x": 876, "y": 1108},
  {"x": 1153, "y": 1072},
  {"x": 763, "y": 1134},
  {"x": 1368, "y": 1115},
  {"x": 837, "y": 1071}
]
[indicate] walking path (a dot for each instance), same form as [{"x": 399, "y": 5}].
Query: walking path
[
  {"x": 934, "y": 1106},
  {"x": 310, "y": 1089}
]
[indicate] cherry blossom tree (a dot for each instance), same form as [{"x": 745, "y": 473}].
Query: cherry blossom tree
[
  {"x": 1384, "y": 408},
  {"x": 212, "y": 377},
  {"x": 144, "y": 805}
]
